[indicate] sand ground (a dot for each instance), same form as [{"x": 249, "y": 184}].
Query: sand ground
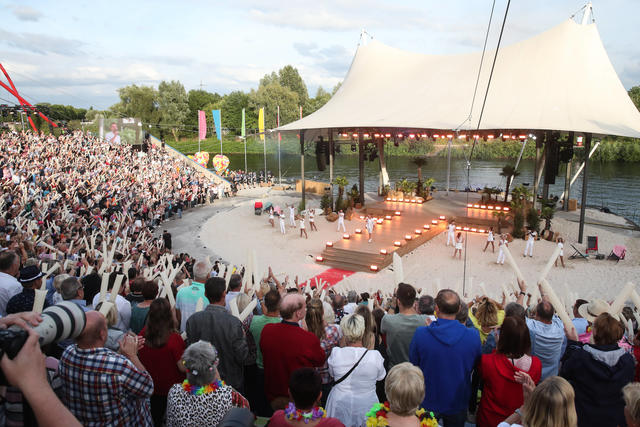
[{"x": 229, "y": 229}]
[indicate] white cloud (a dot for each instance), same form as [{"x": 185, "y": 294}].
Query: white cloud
[
  {"x": 41, "y": 43},
  {"x": 27, "y": 13}
]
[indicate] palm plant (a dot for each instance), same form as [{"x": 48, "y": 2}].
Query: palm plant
[
  {"x": 520, "y": 195},
  {"x": 547, "y": 214},
  {"x": 501, "y": 217},
  {"x": 509, "y": 172},
  {"x": 419, "y": 162},
  {"x": 427, "y": 185},
  {"x": 341, "y": 182}
]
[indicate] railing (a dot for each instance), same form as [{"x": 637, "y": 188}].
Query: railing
[{"x": 177, "y": 154}]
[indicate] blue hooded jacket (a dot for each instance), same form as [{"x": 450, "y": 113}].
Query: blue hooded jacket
[{"x": 446, "y": 352}]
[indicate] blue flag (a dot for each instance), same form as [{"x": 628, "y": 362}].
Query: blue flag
[{"x": 217, "y": 122}]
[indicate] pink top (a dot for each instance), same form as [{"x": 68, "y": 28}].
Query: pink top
[{"x": 278, "y": 420}]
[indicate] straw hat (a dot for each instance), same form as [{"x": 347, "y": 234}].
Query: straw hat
[{"x": 593, "y": 309}]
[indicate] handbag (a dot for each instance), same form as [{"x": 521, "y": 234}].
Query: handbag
[{"x": 344, "y": 377}]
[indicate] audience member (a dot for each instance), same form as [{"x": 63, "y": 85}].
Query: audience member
[
  {"x": 72, "y": 290},
  {"x": 31, "y": 279},
  {"x": 187, "y": 298},
  {"x": 139, "y": 311}
]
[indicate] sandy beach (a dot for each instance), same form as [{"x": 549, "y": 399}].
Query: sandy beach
[{"x": 232, "y": 229}]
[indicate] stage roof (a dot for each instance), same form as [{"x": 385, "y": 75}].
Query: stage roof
[{"x": 561, "y": 79}]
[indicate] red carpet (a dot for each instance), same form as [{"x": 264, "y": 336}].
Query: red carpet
[{"x": 329, "y": 277}]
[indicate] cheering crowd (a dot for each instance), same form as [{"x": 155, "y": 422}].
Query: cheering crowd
[{"x": 185, "y": 343}]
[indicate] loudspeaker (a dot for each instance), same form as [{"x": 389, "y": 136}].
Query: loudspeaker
[
  {"x": 552, "y": 158},
  {"x": 322, "y": 153}
]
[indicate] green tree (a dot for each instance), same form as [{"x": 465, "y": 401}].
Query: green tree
[
  {"x": 314, "y": 104},
  {"x": 509, "y": 172},
  {"x": 547, "y": 213},
  {"x": 140, "y": 102},
  {"x": 634, "y": 94},
  {"x": 341, "y": 182},
  {"x": 335, "y": 88},
  {"x": 231, "y": 106},
  {"x": 271, "y": 96},
  {"x": 419, "y": 162},
  {"x": 289, "y": 77},
  {"x": 173, "y": 105}
]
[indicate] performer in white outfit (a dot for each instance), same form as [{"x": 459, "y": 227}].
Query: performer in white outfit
[
  {"x": 341, "y": 221},
  {"x": 282, "y": 225},
  {"x": 292, "y": 216},
  {"x": 312, "y": 221},
  {"x": 369, "y": 225},
  {"x": 531, "y": 238},
  {"x": 303, "y": 228},
  {"x": 490, "y": 240},
  {"x": 501, "y": 244},
  {"x": 451, "y": 229},
  {"x": 458, "y": 245},
  {"x": 561, "y": 256},
  {"x": 271, "y": 218}
]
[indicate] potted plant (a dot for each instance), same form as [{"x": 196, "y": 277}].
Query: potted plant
[
  {"x": 427, "y": 186},
  {"x": 509, "y": 172}
]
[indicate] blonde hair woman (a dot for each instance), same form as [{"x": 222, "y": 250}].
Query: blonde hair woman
[
  {"x": 488, "y": 316},
  {"x": 355, "y": 370},
  {"x": 631, "y": 394}
]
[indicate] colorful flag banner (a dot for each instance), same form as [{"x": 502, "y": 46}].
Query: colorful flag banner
[
  {"x": 261, "y": 124},
  {"x": 244, "y": 133},
  {"x": 217, "y": 122},
  {"x": 202, "y": 125}
]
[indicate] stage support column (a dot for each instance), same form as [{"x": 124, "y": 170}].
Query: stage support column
[
  {"x": 585, "y": 179},
  {"x": 331, "y": 151},
  {"x": 448, "y": 163},
  {"x": 547, "y": 141},
  {"x": 384, "y": 175},
  {"x": 361, "y": 166},
  {"x": 538, "y": 166},
  {"x": 567, "y": 179},
  {"x": 302, "y": 167}
]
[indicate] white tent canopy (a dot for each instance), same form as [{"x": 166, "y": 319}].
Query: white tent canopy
[{"x": 561, "y": 79}]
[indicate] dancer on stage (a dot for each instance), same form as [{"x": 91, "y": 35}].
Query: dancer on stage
[
  {"x": 490, "y": 240},
  {"x": 561, "y": 256},
  {"x": 271, "y": 217},
  {"x": 501, "y": 244},
  {"x": 451, "y": 229},
  {"x": 369, "y": 225},
  {"x": 531, "y": 237},
  {"x": 312, "y": 220},
  {"x": 341, "y": 221},
  {"x": 303, "y": 227},
  {"x": 458, "y": 245},
  {"x": 282, "y": 225},
  {"x": 292, "y": 215}
]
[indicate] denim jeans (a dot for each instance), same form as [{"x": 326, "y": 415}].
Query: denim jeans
[{"x": 179, "y": 213}]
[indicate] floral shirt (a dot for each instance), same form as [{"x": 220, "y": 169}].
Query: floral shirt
[{"x": 331, "y": 340}]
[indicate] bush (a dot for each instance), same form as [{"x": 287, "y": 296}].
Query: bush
[
  {"x": 533, "y": 219},
  {"x": 325, "y": 202},
  {"x": 518, "y": 225}
]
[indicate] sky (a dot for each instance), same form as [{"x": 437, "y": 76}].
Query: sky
[{"x": 80, "y": 53}]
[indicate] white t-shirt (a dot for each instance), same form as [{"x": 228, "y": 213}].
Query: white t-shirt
[
  {"x": 124, "y": 310},
  {"x": 532, "y": 236},
  {"x": 110, "y": 135}
]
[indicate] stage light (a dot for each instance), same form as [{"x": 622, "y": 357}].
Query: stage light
[
  {"x": 458, "y": 227},
  {"x": 417, "y": 231},
  {"x": 383, "y": 251},
  {"x": 373, "y": 267},
  {"x": 442, "y": 217},
  {"x": 436, "y": 136},
  {"x": 420, "y": 201},
  {"x": 388, "y": 217},
  {"x": 426, "y": 226},
  {"x": 397, "y": 243},
  {"x": 522, "y": 136},
  {"x": 394, "y": 199},
  {"x": 399, "y": 135},
  {"x": 490, "y": 207},
  {"x": 412, "y": 136},
  {"x": 355, "y": 135},
  {"x": 345, "y": 236},
  {"x": 450, "y": 136},
  {"x": 513, "y": 137},
  {"x": 505, "y": 208},
  {"x": 424, "y": 135},
  {"x": 483, "y": 206},
  {"x": 408, "y": 237},
  {"x": 481, "y": 230},
  {"x": 388, "y": 199},
  {"x": 401, "y": 200},
  {"x": 476, "y": 136},
  {"x": 366, "y": 135},
  {"x": 387, "y": 135},
  {"x": 434, "y": 221},
  {"x": 413, "y": 200},
  {"x": 476, "y": 206},
  {"x": 358, "y": 231},
  {"x": 465, "y": 228},
  {"x": 344, "y": 135},
  {"x": 397, "y": 213},
  {"x": 380, "y": 221},
  {"x": 329, "y": 244},
  {"x": 474, "y": 230},
  {"x": 376, "y": 135},
  {"x": 491, "y": 136},
  {"x": 361, "y": 216},
  {"x": 470, "y": 205},
  {"x": 463, "y": 136},
  {"x": 498, "y": 208},
  {"x": 319, "y": 258}
]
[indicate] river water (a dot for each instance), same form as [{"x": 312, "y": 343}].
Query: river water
[{"x": 613, "y": 185}]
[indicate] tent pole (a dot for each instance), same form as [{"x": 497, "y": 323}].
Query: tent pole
[
  {"x": 540, "y": 155},
  {"x": 448, "y": 164},
  {"x": 302, "y": 167},
  {"x": 567, "y": 178},
  {"x": 331, "y": 163},
  {"x": 361, "y": 166},
  {"x": 585, "y": 178}
]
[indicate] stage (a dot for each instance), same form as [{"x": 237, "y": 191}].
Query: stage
[{"x": 401, "y": 227}]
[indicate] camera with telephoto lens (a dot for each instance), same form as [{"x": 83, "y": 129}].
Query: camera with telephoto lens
[{"x": 59, "y": 322}]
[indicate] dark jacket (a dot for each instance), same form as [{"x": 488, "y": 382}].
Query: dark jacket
[
  {"x": 597, "y": 374},
  {"x": 446, "y": 351},
  {"x": 215, "y": 325}
]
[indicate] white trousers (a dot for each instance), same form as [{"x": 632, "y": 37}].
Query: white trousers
[
  {"x": 450, "y": 238},
  {"x": 341, "y": 224},
  {"x": 282, "y": 229},
  {"x": 501, "y": 256},
  {"x": 292, "y": 220},
  {"x": 529, "y": 248}
]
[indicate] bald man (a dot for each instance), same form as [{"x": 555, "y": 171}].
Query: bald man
[
  {"x": 101, "y": 387},
  {"x": 286, "y": 347}
]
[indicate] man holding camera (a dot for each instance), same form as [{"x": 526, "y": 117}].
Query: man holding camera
[{"x": 102, "y": 387}]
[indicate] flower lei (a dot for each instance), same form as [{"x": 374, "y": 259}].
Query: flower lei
[
  {"x": 205, "y": 389},
  {"x": 294, "y": 414},
  {"x": 377, "y": 416}
]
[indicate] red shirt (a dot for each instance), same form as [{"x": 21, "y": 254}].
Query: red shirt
[
  {"x": 285, "y": 348},
  {"x": 162, "y": 363},
  {"x": 501, "y": 394}
]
